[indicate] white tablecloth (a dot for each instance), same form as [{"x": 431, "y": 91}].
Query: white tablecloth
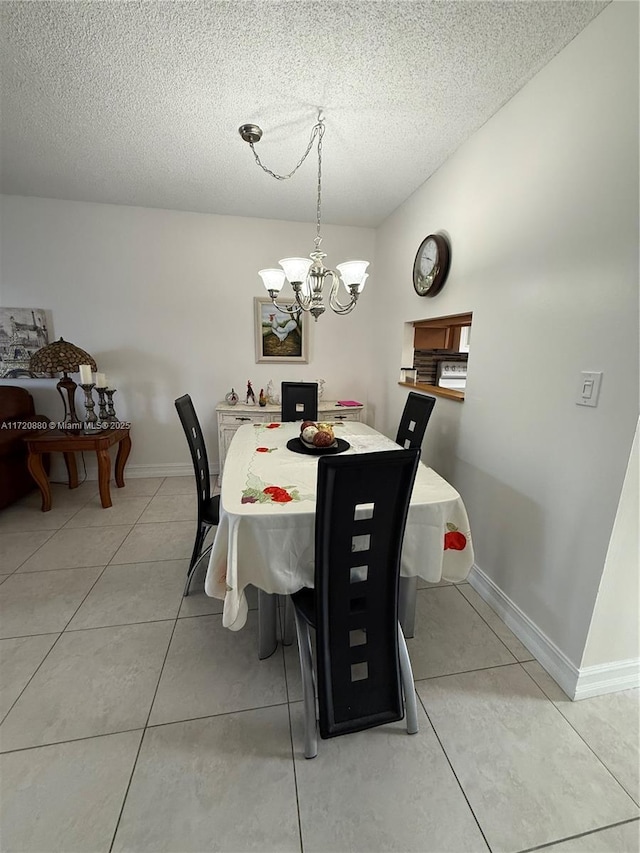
[{"x": 266, "y": 532}]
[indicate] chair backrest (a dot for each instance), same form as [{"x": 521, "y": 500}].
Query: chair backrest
[
  {"x": 299, "y": 401},
  {"x": 195, "y": 439},
  {"x": 361, "y": 513},
  {"x": 414, "y": 420}
]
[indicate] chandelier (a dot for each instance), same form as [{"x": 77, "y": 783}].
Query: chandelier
[{"x": 309, "y": 276}]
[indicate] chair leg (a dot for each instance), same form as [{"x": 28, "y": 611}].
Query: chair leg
[
  {"x": 196, "y": 556},
  {"x": 408, "y": 686},
  {"x": 308, "y": 688},
  {"x": 191, "y": 572},
  {"x": 407, "y": 605}
]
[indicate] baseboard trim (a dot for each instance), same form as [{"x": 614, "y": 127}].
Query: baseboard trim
[
  {"x": 608, "y": 678},
  {"x": 576, "y": 683},
  {"x": 169, "y": 469},
  {"x": 545, "y": 651}
]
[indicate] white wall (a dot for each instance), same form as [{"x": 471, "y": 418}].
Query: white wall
[
  {"x": 163, "y": 301},
  {"x": 615, "y": 627},
  {"x": 541, "y": 206}
]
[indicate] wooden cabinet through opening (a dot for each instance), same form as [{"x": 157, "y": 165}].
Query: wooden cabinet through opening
[{"x": 440, "y": 333}]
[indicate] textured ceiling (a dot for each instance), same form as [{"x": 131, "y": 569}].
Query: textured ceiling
[{"x": 139, "y": 102}]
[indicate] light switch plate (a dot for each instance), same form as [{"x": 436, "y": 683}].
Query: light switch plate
[{"x": 589, "y": 388}]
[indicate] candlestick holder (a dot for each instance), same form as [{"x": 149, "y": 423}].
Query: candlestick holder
[
  {"x": 102, "y": 403},
  {"x": 91, "y": 418},
  {"x": 111, "y": 412}
]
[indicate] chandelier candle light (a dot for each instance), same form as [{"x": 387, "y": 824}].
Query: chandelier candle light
[{"x": 308, "y": 277}]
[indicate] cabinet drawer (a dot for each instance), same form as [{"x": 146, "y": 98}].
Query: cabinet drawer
[
  {"x": 340, "y": 414},
  {"x": 240, "y": 418},
  {"x": 344, "y": 416}
]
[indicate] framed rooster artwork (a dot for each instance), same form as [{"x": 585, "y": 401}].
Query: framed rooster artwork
[{"x": 280, "y": 336}]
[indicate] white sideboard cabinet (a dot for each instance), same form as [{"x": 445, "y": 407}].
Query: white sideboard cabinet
[{"x": 232, "y": 417}]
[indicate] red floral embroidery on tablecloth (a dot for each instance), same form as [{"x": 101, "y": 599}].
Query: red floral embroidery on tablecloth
[
  {"x": 454, "y": 540},
  {"x": 257, "y": 491},
  {"x": 272, "y": 426},
  {"x": 278, "y": 494},
  {"x": 265, "y": 449}
]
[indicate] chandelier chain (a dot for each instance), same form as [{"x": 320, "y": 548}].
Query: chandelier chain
[
  {"x": 318, "y": 238},
  {"x": 318, "y": 128}
]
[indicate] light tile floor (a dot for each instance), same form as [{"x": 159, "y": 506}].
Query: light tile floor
[{"x": 133, "y": 721}]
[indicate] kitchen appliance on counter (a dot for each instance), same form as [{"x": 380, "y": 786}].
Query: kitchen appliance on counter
[{"x": 453, "y": 375}]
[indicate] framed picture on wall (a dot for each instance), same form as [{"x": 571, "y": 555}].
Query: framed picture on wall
[
  {"x": 23, "y": 331},
  {"x": 280, "y": 337}
]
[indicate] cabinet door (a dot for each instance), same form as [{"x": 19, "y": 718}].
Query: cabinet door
[
  {"x": 225, "y": 434},
  {"x": 228, "y": 423}
]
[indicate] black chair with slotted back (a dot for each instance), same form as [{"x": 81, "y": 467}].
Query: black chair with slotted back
[
  {"x": 299, "y": 401},
  {"x": 414, "y": 420},
  {"x": 362, "y": 663},
  {"x": 208, "y": 505}
]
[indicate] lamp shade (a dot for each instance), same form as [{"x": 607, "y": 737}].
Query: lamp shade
[
  {"x": 295, "y": 269},
  {"x": 60, "y": 357},
  {"x": 352, "y": 272},
  {"x": 272, "y": 279}
]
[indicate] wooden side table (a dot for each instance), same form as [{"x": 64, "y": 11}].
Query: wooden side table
[{"x": 69, "y": 443}]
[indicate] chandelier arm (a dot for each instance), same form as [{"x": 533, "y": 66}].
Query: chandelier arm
[
  {"x": 304, "y": 302},
  {"x": 339, "y": 308},
  {"x": 335, "y": 304},
  {"x": 293, "y": 310}
]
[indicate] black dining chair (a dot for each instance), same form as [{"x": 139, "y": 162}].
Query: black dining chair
[
  {"x": 362, "y": 663},
  {"x": 299, "y": 401},
  {"x": 208, "y": 505},
  {"x": 414, "y": 420}
]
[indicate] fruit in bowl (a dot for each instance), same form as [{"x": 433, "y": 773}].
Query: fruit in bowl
[
  {"x": 327, "y": 428},
  {"x": 322, "y": 438},
  {"x": 308, "y": 433}
]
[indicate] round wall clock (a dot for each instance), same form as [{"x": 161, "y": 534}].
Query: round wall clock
[{"x": 431, "y": 266}]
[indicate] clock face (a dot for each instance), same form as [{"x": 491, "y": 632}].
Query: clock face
[{"x": 431, "y": 265}]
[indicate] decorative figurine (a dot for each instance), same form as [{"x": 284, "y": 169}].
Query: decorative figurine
[
  {"x": 251, "y": 397},
  {"x": 272, "y": 399},
  {"x": 262, "y": 400},
  {"x": 231, "y": 398}
]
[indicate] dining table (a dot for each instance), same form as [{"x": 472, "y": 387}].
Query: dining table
[{"x": 265, "y": 535}]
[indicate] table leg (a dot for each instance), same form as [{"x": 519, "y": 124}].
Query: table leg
[
  {"x": 72, "y": 469},
  {"x": 267, "y": 617},
  {"x": 36, "y": 469},
  {"x": 288, "y": 622},
  {"x": 124, "y": 449},
  {"x": 104, "y": 475},
  {"x": 407, "y": 605}
]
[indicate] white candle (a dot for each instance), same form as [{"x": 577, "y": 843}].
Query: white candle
[
  {"x": 85, "y": 374},
  {"x": 101, "y": 380}
]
